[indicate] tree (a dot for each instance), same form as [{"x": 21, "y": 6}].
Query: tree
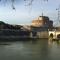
[{"x": 29, "y": 2}]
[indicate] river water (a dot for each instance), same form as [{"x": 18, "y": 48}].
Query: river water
[{"x": 40, "y": 49}]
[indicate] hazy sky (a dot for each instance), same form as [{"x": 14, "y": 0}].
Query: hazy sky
[{"x": 25, "y": 14}]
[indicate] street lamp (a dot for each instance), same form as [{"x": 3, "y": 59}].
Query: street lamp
[{"x": 58, "y": 9}]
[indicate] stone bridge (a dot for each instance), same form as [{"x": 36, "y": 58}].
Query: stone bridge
[{"x": 55, "y": 34}]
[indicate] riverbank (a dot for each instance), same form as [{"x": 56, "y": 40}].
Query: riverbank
[{"x": 19, "y": 38}]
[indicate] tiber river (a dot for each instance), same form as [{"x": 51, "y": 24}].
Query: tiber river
[{"x": 40, "y": 49}]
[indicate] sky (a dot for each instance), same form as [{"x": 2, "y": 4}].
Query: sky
[{"x": 23, "y": 14}]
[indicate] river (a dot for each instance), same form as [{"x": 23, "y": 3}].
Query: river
[{"x": 39, "y": 49}]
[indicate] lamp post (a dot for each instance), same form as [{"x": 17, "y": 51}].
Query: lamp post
[{"x": 58, "y": 9}]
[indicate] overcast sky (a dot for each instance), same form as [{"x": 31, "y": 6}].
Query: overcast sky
[{"x": 25, "y": 14}]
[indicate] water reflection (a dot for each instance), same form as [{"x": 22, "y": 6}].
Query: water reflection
[
  {"x": 4, "y": 43},
  {"x": 40, "y": 49},
  {"x": 52, "y": 42}
]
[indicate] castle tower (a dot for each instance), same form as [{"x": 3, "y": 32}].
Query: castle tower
[{"x": 42, "y": 21}]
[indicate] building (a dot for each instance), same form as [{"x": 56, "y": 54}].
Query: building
[
  {"x": 40, "y": 26},
  {"x": 42, "y": 21}
]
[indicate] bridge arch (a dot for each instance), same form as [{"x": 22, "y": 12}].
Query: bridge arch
[{"x": 51, "y": 35}]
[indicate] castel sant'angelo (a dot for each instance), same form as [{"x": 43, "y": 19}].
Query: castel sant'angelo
[{"x": 42, "y": 21}]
